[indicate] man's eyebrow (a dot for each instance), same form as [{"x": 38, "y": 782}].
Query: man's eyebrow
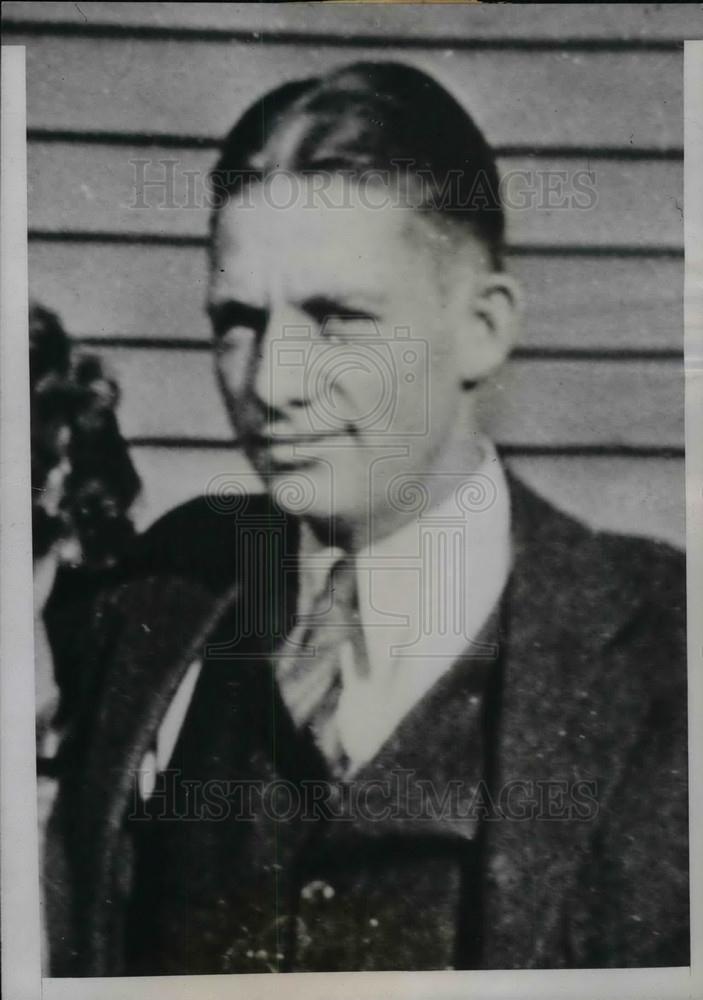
[
  {"x": 345, "y": 304},
  {"x": 234, "y": 312}
]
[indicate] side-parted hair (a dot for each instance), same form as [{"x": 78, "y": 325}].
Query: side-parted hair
[{"x": 374, "y": 118}]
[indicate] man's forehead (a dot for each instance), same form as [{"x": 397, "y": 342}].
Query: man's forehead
[
  {"x": 351, "y": 246},
  {"x": 312, "y": 207}
]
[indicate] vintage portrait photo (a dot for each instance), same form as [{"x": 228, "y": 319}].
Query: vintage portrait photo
[{"x": 355, "y": 427}]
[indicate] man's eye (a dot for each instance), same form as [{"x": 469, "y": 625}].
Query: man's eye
[
  {"x": 347, "y": 324},
  {"x": 236, "y": 320}
]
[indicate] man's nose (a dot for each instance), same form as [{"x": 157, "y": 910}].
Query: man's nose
[{"x": 282, "y": 358}]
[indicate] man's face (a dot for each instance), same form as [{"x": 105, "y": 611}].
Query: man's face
[{"x": 337, "y": 349}]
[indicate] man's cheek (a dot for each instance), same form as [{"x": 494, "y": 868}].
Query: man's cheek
[
  {"x": 364, "y": 395},
  {"x": 238, "y": 404},
  {"x": 231, "y": 380}
]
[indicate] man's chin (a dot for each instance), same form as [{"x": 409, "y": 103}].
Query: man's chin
[
  {"x": 306, "y": 482},
  {"x": 301, "y": 487}
]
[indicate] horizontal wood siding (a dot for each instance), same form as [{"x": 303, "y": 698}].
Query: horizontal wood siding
[
  {"x": 164, "y": 193},
  {"x": 587, "y": 96},
  {"x": 556, "y": 99},
  {"x": 171, "y": 393},
  {"x": 573, "y": 303}
]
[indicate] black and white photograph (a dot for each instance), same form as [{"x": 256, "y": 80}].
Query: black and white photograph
[{"x": 352, "y": 411}]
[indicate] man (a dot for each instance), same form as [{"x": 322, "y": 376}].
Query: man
[{"x": 396, "y": 712}]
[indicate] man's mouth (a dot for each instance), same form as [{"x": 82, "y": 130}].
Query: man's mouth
[
  {"x": 291, "y": 451},
  {"x": 284, "y": 440}
]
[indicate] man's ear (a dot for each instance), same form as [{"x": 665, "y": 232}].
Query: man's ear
[{"x": 495, "y": 312}]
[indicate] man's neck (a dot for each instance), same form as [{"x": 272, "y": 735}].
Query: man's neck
[{"x": 464, "y": 454}]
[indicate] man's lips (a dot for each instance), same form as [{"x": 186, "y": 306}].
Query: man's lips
[
  {"x": 289, "y": 452},
  {"x": 282, "y": 440}
]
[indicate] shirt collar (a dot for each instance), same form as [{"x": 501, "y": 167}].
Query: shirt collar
[{"x": 425, "y": 592}]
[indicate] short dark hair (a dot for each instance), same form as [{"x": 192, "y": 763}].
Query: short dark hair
[{"x": 370, "y": 116}]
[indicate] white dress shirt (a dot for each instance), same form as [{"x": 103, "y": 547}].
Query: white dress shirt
[{"x": 425, "y": 593}]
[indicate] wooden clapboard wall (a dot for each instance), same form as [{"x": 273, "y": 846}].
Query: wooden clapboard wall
[{"x": 590, "y": 409}]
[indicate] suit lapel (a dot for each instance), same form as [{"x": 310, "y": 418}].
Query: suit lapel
[
  {"x": 169, "y": 621},
  {"x": 566, "y": 606},
  {"x": 167, "y": 625}
]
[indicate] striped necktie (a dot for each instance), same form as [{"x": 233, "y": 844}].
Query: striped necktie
[{"x": 310, "y": 665}]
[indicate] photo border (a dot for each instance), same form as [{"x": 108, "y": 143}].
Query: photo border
[{"x": 20, "y": 897}]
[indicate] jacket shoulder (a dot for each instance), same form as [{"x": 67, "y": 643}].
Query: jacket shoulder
[
  {"x": 600, "y": 587},
  {"x": 203, "y": 540},
  {"x": 654, "y": 566},
  {"x": 588, "y": 558}
]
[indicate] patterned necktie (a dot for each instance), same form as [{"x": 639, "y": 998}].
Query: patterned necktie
[{"x": 311, "y": 663}]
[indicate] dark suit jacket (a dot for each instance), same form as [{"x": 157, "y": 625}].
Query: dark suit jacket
[{"x": 592, "y": 689}]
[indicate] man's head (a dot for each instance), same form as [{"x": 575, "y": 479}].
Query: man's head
[{"x": 356, "y": 285}]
